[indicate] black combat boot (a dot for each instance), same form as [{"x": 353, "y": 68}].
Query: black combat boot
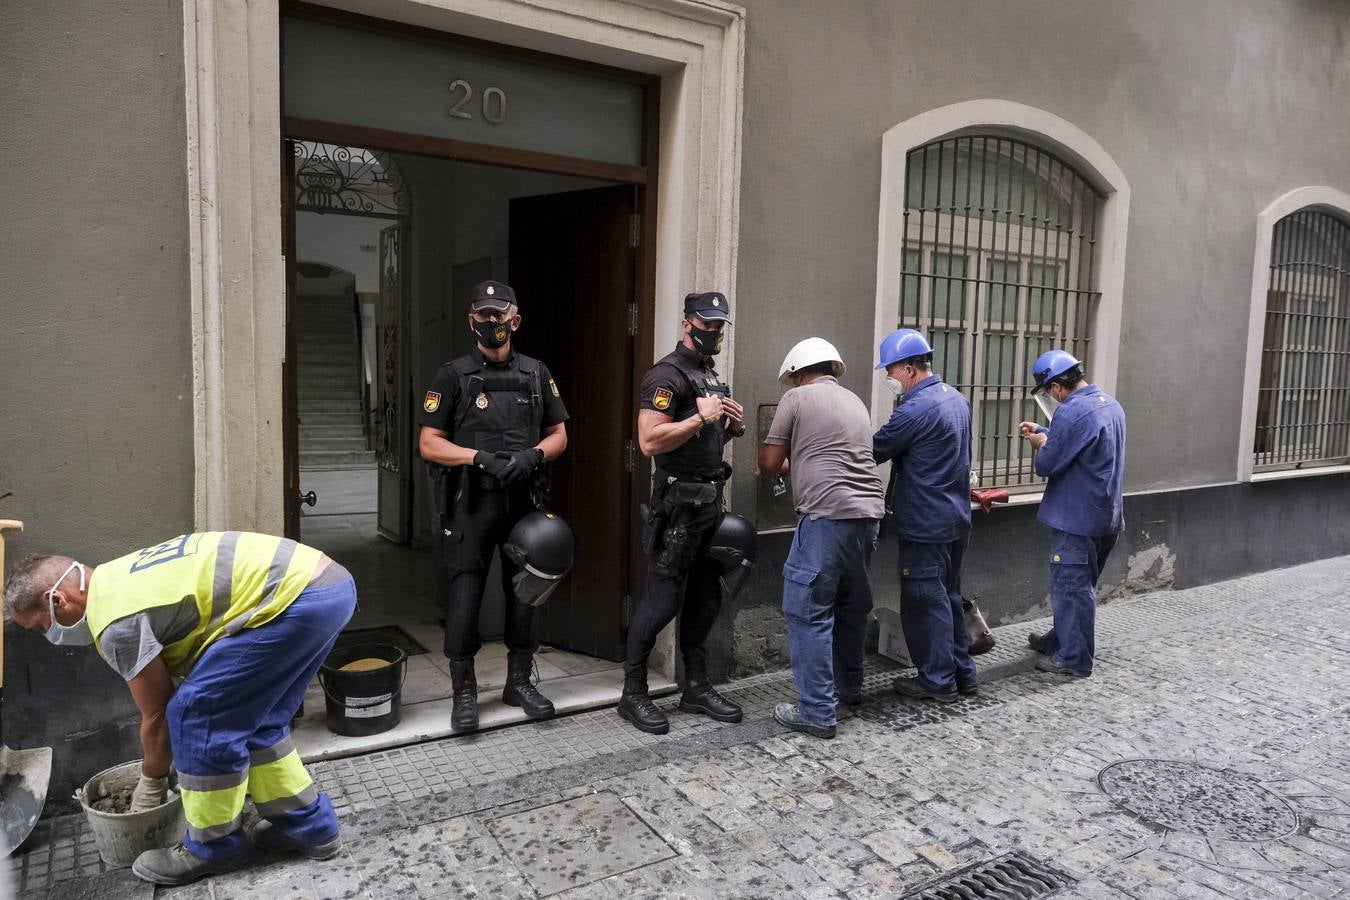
[
  {"x": 520, "y": 691},
  {"x": 464, "y": 716},
  {"x": 701, "y": 697},
  {"x": 637, "y": 707}
]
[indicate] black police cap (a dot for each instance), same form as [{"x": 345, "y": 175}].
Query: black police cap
[
  {"x": 492, "y": 294},
  {"x": 709, "y": 306}
]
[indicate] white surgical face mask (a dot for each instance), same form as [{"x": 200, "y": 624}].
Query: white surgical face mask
[
  {"x": 77, "y": 635},
  {"x": 894, "y": 386}
]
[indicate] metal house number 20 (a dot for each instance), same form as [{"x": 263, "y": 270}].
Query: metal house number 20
[{"x": 494, "y": 102}]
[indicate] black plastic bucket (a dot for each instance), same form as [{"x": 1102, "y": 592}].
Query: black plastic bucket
[{"x": 368, "y": 701}]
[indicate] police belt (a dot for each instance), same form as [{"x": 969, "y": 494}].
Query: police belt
[{"x": 682, "y": 491}]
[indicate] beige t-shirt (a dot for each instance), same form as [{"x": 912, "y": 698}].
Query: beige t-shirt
[{"x": 829, "y": 438}]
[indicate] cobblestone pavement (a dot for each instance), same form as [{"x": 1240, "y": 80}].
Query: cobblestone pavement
[{"x": 1208, "y": 756}]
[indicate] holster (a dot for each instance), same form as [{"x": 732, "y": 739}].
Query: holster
[
  {"x": 666, "y": 537},
  {"x": 445, "y": 481}
]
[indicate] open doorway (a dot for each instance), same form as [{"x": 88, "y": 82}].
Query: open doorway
[
  {"x": 380, "y": 302},
  {"x": 419, "y": 164}
]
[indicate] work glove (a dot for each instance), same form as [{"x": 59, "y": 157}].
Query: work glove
[
  {"x": 149, "y": 793},
  {"x": 522, "y": 464},
  {"x": 498, "y": 465}
]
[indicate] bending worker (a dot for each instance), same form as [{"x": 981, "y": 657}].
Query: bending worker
[
  {"x": 245, "y": 620},
  {"x": 686, "y": 418},
  {"x": 1082, "y": 454},
  {"x": 491, "y": 420}
]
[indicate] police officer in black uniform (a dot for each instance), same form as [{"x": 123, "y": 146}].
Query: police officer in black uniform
[
  {"x": 490, "y": 421},
  {"x": 687, "y": 416}
]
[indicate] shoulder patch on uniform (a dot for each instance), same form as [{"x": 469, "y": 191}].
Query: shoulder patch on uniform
[
  {"x": 432, "y": 401},
  {"x": 553, "y": 386},
  {"x": 661, "y": 399}
]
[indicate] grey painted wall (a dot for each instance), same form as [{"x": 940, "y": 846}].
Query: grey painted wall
[
  {"x": 1213, "y": 108},
  {"x": 96, "y": 395}
]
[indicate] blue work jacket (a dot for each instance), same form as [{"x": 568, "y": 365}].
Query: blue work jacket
[
  {"x": 927, "y": 441},
  {"x": 1084, "y": 460}
]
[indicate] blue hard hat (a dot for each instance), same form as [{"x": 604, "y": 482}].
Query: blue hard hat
[
  {"x": 903, "y": 343},
  {"x": 1050, "y": 365}
]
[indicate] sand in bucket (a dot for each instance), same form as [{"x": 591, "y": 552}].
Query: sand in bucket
[{"x": 365, "y": 664}]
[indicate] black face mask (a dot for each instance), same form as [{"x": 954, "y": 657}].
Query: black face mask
[
  {"x": 707, "y": 342},
  {"x": 491, "y": 334}
]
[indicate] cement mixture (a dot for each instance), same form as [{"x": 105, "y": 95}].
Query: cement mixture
[{"x": 112, "y": 793}]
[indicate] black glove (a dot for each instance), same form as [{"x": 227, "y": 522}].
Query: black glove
[
  {"x": 522, "y": 464},
  {"x": 494, "y": 464}
]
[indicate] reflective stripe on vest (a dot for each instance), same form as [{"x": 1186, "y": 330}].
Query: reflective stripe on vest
[{"x": 237, "y": 579}]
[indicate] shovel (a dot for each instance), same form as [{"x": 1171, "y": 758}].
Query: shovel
[{"x": 24, "y": 774}]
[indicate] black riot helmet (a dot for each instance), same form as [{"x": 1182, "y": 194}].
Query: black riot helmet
[
  {"x": 734, "y": 548},
  {"x": 542, "y": 545}
]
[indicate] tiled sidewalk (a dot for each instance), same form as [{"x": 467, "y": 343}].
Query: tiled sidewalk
[{"x": 1208, "y": 756}]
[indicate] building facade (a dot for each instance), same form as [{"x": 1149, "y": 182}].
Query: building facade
[{"x": 1164, "y": 188}]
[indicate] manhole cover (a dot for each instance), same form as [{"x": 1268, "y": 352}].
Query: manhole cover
[
  {"x": 575, "y": 842},
  {"x": 1012, "y": 876},
  {"x": 1184, "y": 796}
]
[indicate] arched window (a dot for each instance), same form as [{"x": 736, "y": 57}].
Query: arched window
[
  {"x": 999, "y": 264},
  {"x": 1303, "y": 397}
]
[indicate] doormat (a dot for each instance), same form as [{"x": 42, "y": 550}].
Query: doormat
[{"x": 388, "y": 634}]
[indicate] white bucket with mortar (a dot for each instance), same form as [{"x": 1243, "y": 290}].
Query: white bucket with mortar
[{"x": 121, "y": 837}]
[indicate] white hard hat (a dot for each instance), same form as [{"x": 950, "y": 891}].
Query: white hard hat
[{"x": 807, "y": 353}]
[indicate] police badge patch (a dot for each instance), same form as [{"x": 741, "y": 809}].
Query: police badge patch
[
  {"x": 661, "y": 399},
  {"x": 481, "y": 401},
  {"x": 553, "y": 387},
  {"x": 432, "y": 401}
]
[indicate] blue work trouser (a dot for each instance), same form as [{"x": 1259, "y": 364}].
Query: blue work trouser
[
  {"x": 826, "y": 599},
  {"x": 931, "y": 615},
  {"x": 1076, "y": 562},
  {"x": 229, "y": 724}
]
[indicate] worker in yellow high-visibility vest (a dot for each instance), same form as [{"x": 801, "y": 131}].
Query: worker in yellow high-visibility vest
[{"x": 245, "y": 620}]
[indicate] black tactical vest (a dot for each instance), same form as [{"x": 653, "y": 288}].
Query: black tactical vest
[
  {"x": 500, "y": 407},
  {"x": 700, "y": 457}
]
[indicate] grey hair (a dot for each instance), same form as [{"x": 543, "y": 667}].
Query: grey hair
[{"x": 30, "y": 580}]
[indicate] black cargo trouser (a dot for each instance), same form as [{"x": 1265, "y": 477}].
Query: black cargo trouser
[
  {"x": 467, "y": 541},
  {"x": 681, "y": 580}
]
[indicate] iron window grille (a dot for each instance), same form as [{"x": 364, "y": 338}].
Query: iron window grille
[
  {"x": 1303, "y": 405},
  {"x": 998, "y": 267}
]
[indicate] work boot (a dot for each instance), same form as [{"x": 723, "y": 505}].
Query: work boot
[
  {"x": 179, "y": 865},
  {"x": 464, "y": 716},
  {"x": 1046, "y": 664},
  {"x": 914, "y": 689},
  {"x": 637, "y": 707},
  {"x": 1036, "y": 642},
  {"x": 701, "y": 697},
  {"x": 271, "y": 839},
  {"x": 520, "y": 691},
  {"x": 789, "y": 715}
]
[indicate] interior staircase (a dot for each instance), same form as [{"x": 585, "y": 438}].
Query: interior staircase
[{"x": 329, "y": 389}]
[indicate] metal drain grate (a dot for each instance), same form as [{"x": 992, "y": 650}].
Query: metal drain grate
[{"x": 1012, "y": 876}]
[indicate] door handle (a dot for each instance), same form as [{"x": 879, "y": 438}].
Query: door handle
[{"x": 309, "y": 499}]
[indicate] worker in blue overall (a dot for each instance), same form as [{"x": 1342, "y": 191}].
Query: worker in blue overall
[
  {"x": 1082, "y": 454},
  {"x": 927, "y": 441},
  {"x": 217, "y": 635}
]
